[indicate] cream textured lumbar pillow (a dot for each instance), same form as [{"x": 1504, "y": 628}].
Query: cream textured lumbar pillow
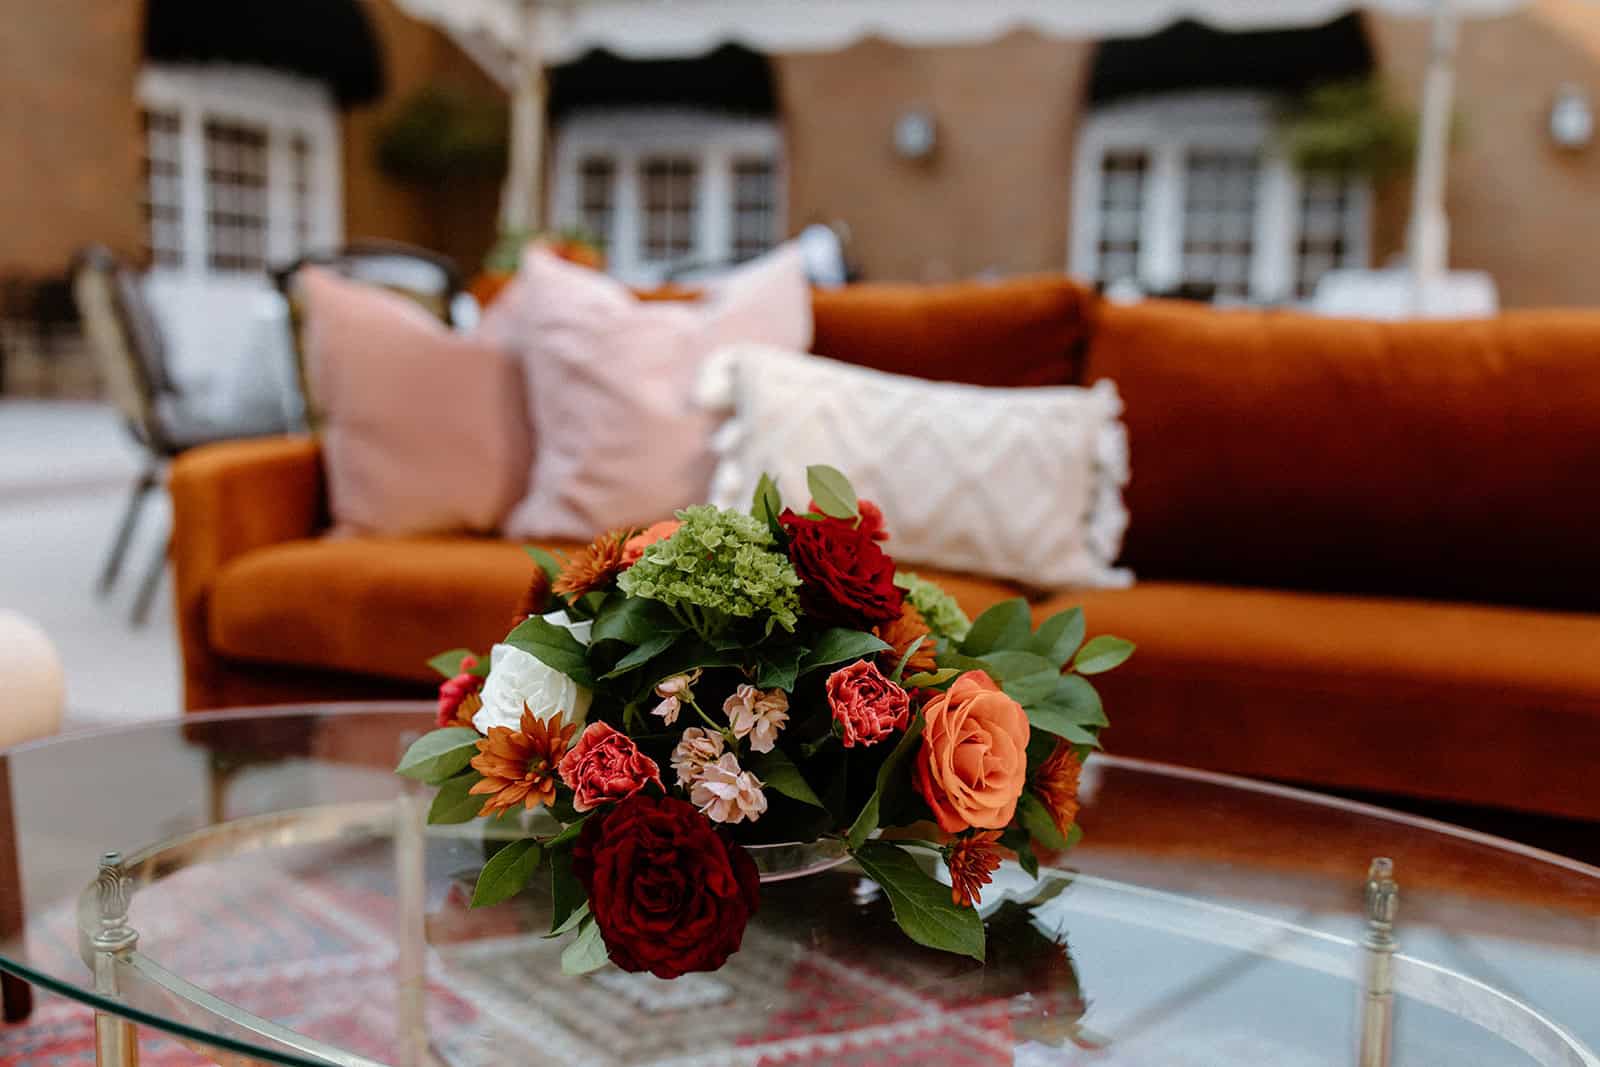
[{"x": 1024, "y": 484}]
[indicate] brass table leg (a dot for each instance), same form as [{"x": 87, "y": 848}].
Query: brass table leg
[
  {"x": 1377, "y": 1002},
  {"x": 116, "y": 1041}
]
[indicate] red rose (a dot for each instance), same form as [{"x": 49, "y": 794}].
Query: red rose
[
  {"x": 867, "y": 705},
  {"x": 669, "y": 894},
  {"x": 871, "y": 522},
  {"x": 452, "y": 691},
  {"x": 606, "y": 765},
  {"x": 848, "y": 580}
]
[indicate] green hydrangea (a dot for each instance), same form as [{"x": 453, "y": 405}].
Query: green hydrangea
[
  {"x": 937, "y": 607},
  {"x": 718, "y": 566}
]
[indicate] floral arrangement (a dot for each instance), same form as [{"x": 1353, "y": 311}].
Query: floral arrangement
[{"x": 671, "y": 699}]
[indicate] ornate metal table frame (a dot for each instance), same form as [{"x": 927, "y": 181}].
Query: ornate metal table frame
[{"x": 122, "y": 973}]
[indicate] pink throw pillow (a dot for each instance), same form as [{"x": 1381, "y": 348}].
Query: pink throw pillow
[
  {"x": 611, "y": 382},
  {"x": 423, "y": 429}
]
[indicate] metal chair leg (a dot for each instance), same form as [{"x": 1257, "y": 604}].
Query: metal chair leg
[
  {"x": 152, "y": 582},
  {"x": 148, "y": 480}
]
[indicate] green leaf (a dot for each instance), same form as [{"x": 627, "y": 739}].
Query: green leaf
[
  {"x": 767, "y": 504},
  {"x": 1101, "y": 654},
  {"x": 1014, "y": 666},
  {"x": 1006, "y": 625},
  {"x": 1059, "y": 636},
  {"x": 506, "y": 873},
  {"x": 448, "y": 664},
  {"x": 1026, "y": 859},
  {"x": 439, "y": 754},
  {"x": 867, "y": 821},
  {"x": 634, "y": 620},
  {"x": 453, "y": 803},
  {"x": 554, "y": 646},
  {"x": 587, "y": 951},
  {"x": 569, "y": 833},
  {"x": 832, "y": 492},
  {"x": 900, "y": 668},
  {"x": 929, "y": 679},
  {"x": 779, "y": 667},
  {"x": 1073, "y": 711},
  {"x": 837, "y": 646},
  {"x": 547, "y": 563},
  {"x": 777, "y": 771},
  {"x": 1033, "y": 689},
  {"x": 922, "y": 905},
  {"x": 641, "y": 655},
  {"x": 1037, "y": 821},
  {"x": 569, "y": 902}
]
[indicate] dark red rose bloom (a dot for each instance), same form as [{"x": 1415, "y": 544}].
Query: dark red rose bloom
[
  {"x": 848, "y": 580},
  {"x": 669, "y": 893},
  {"x": 453, "y": 692}
]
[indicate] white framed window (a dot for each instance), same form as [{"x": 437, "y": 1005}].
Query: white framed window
[
  {"x": 665, "y": 189},
  {"x": 1190, "y": 190},
  {"x": 241, "y": 168}
]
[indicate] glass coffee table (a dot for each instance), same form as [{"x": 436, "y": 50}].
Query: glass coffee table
[{"x": 259, "y": 887}]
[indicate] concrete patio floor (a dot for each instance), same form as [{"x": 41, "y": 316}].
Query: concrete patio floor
[{"x": 65, "y": 469}]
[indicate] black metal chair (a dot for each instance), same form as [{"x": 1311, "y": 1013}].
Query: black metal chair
[
  {"x": 130, "y": 353},
  {"x": 432, "y": 280}
]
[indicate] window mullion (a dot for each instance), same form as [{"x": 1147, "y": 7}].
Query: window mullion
[
  {"x": 281, "y": 207},
  {"x": 626, "y": 235},
  {"x": 1272, "y": 269},
  {"x": 713, "y": 224},
  {"x": 193, "y": 219},
  {"x": 1162, "y": 239}
]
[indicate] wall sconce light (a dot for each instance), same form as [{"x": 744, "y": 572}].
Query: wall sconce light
[
  {"x": 1572, "y": 118},
  {"x": 916, "y": 135}
]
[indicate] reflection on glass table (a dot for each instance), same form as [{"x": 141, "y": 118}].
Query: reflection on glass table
[{"x": 285, "y": 904}]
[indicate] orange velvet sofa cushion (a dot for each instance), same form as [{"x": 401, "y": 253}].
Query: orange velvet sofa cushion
[
  {"x": 1470, "y": 703},
  {"x": 1019, "y": 332},
  {"x": 1458, "y": 460}
]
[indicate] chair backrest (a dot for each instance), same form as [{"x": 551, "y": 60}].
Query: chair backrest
[
  {"x": 124, "y": 338},
  {"x": 432, "y": 280}
]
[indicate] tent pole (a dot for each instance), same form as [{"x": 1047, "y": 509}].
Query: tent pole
[
  {"x": 1429, "y": 238},
  {"x": 522, "y": 199}
]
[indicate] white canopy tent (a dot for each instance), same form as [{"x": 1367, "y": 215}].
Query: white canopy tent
[{"x": 515, "y": 39}]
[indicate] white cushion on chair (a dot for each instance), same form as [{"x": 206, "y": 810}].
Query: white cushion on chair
[{"x": 31, "y": 680}]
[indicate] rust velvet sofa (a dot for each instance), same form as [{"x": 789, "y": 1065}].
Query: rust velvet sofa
[{"x": 1367, "y": 553}]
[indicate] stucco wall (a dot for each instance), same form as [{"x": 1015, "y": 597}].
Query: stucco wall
[
  {"x": 1520, "y": 208},
  {"x": 996, "y": 194},
  {"x": 69, "y": 133}
]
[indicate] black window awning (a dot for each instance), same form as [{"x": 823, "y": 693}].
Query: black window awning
[
  {"x": 330, "y": 40},
  {"x": 1190, "y": 55},
  {"x": 729, "y": 79}
]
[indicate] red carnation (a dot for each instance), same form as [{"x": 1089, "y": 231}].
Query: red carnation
[
  {"x": 868, "y": 706},
  {"x": 453, "y": 692},
  {"x": 669, "y": 894},
  {"x": 847, "y": 579},
  {"x": 606, "y": 765}
]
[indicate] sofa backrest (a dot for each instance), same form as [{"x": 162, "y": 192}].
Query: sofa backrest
[
  {"x": 1458, "y": 460},
  {"x": 1018, "y": 332}
]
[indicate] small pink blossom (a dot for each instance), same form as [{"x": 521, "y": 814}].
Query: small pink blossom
[
  {"x": 757, "y": 715},
  {"x": 726, "y": 793},
  {"x": 673, "y": 692},
  {"x": 697, "y": 748}
]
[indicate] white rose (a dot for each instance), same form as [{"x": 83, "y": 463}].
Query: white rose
[{"x": 518, "y": 678}]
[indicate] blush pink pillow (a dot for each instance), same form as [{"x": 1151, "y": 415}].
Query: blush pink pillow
[
  {"x": 611, "y": 381},
  {"x": 423, "y": 430}
]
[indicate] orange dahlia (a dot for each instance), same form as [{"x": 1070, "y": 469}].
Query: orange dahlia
[
  {"x": 595, "y": 566},
  {"x": 972, "y": 859},
  {"x": 1056, "y": 783},
  {"x": 900, "y": 635},
  {"x": 519, "y": 766}
]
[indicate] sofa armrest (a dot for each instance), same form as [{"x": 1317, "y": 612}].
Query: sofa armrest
[{"x": 229, "y": 499}]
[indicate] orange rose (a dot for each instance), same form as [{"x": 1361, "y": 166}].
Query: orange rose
[{"x": 974, "y": 757}]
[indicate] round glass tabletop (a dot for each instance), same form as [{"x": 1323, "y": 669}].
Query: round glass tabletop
[{"x": 274, "y": 895}]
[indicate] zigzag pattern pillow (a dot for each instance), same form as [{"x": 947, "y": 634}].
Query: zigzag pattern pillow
[{"x": 1021, "y": 484}]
